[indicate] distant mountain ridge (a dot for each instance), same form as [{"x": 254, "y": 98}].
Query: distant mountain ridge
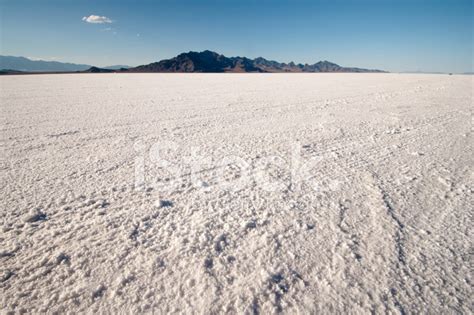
[
  {"x": 209, "y": 61},
  {"x": 27, "y": 65}
]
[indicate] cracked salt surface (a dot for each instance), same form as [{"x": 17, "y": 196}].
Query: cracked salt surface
[{"x": 247, "y": 193}]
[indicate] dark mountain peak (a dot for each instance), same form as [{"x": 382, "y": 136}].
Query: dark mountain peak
[
  {"x": 99, "y": 70},
  {"x": 209, "y": 53},
  {"x": 202, "y": 55},
  {"x": 204, "y": 61}
]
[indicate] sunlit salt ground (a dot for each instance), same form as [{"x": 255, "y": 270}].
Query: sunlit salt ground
[{"x": 235, "y": 193}]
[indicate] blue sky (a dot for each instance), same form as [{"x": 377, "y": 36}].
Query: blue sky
[{"x": 402, "y": 35}]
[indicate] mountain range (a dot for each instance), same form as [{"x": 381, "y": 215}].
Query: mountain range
[
  {"x": 28, "y": 65},
  {"x": 209, "y": 61},
  {"x": 205, "y": 61}
]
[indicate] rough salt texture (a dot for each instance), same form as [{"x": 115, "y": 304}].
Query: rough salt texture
[{"x": 370, "y": 211}]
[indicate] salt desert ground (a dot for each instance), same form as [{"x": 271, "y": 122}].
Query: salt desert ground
[{"x": 236, "y": 193}]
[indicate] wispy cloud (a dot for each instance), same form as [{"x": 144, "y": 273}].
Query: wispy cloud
[
  {"x": 96, "y": 19},
  {"x": 109, "y": 30}
]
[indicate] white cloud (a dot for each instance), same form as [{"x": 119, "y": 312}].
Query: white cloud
[{"x": 96, "y": 19}]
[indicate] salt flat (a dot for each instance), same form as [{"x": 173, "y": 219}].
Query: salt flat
[{"x": 255, "y": 193}]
